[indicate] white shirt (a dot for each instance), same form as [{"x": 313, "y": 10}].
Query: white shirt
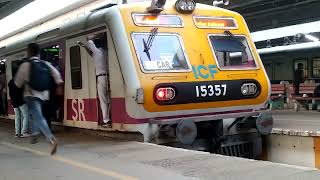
[
  {"x": 22, "y": 79},
  {"x": 99, "y": 56}
]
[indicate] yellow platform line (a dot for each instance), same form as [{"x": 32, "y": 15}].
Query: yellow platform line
[{"x": 72, "y": 162}]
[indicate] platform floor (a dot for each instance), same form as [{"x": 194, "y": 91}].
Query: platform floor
[
  {"x": 304, "y": 122},
  {"x": 88, "y": 157}
]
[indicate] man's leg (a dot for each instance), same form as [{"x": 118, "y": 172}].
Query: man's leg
[
  {"x": 17, "y": 121},
  {"x": 46, "y": 112},
  {"x": 103, "y": 98},
  {"x": 34, "y": 105},
  {"x": 25, "y": 121}
]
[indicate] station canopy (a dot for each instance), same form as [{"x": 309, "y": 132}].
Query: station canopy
[{"x": 8, "y": 7}]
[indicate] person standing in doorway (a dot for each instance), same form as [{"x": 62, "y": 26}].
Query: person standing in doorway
[
  {"x": 34, "y": 75},
  {"x": 96, "y": 48},
  {"x": 298, "y": 78}
]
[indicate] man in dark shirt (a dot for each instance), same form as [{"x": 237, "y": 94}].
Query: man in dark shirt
[{"x": 298, "y": 78}]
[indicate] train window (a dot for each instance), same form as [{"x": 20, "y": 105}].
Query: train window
[
  {"x": 160, "y": 52},
  {"x": 51, "y": 54},
  {"x": 75, "y": 65},
  {"x": 316, "y": 68},
  {"x": 232, "y": 52}
]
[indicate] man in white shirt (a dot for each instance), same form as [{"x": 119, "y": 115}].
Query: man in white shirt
[
  {"x": 34, "y": 98},
  {"x": 96, "y": 48}
]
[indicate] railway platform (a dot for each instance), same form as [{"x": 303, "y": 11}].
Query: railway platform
[
  {"x": 295, "y": 138},
  {"x": 91, "y": 157}
]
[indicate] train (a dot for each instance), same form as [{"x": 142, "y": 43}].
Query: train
[{"x": 178, "y": 69}]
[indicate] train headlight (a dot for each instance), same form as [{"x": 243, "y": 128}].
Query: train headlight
[
  {"x": 165, "y": 94},
  {"x": 185, "y": 6},
  {"x": 249, "y": 89},
  {"x": 244, "y": 90}
]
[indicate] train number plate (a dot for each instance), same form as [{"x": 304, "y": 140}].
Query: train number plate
[
  {"x": 208, "y": 91},
  {"x": 211, "y": 90}
]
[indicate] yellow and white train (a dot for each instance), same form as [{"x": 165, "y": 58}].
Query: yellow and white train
[{"x": 187, "y": 67}]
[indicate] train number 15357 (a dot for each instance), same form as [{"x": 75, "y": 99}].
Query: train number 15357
[{"x": 211, "y": 90}]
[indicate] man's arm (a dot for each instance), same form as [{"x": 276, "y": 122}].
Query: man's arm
[
  {"x": 57, "y": 79},
  {"x": 89, "y": 51},
  {"x": 55, "y": 74}
]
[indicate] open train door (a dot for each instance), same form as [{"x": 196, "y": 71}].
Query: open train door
[{"x": 81, "y": 106}]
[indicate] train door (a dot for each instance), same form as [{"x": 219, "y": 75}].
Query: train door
[
  {"x": 53, "y": 53},
  {"x": 81, "y": 107}
]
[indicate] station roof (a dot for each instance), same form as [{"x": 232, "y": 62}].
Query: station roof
[
  {"x": 8, "y": 7},
  {"x": 269, "y": 14}
]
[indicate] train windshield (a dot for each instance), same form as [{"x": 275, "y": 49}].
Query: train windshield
[
  {"x": 159, "y": 52},
  {"x": 232, "y": 52}
]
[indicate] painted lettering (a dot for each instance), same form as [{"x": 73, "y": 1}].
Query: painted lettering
[
  {"x": 194, "y": 69},
  {"x": 74, "y": 103},
  {"x": 212, "y": 70},
  {"x": 81, "y": 109},
  {"x": 204, "y": 76},
  {"x": 78, "y": 110},
  {"x": 204, "y": 71}
]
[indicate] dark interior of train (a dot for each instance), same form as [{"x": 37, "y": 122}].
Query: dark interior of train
[
  {"x": 53, "y": 109},
  {"x": 51, "y": 54}
]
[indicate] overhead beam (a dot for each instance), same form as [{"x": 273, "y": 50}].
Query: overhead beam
[
  {"x": 242, "y": 4},
  {"x": 278, "y": 9},
  {"x": 2, "y": 1},
  {"x": 13, "y": 6}
]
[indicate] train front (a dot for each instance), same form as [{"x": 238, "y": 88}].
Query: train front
[{"x": 200, "y": 76}]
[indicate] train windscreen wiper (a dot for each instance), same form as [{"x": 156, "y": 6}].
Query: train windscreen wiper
[
  {"x": 147, "y": 45},
  {"x": 228, "y": 33}
]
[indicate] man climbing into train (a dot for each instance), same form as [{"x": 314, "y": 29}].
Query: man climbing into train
[
  {"x": 96, "y": 48},
  {"x": 34, "y": 75}
]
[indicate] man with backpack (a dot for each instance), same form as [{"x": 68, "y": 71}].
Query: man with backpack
[{"x": 35, "y": 75}]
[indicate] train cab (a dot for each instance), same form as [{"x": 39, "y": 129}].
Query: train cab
[{"x": 187, "y": 68}]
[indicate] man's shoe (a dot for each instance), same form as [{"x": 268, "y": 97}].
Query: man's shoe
[
  {"x": 24, "y": 135},
  {"x": 34, "y": 140},
  {"x": 107, "y": 125},
  {"x": 17, "y": 136},
  {"x": 54, "y": 145}
]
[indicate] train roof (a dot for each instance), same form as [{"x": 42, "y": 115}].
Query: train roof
[{"x": 93, "y": 19}]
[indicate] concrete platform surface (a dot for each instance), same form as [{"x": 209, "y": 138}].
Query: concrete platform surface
[
  {"x": 301, "y": 123},
  {"x": 82, "y": 157}
]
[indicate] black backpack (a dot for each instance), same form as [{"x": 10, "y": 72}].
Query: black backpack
[{"x": 40, "y": 75}]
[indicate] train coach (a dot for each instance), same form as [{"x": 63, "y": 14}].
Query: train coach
[{"x": 180, "y": 67}]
